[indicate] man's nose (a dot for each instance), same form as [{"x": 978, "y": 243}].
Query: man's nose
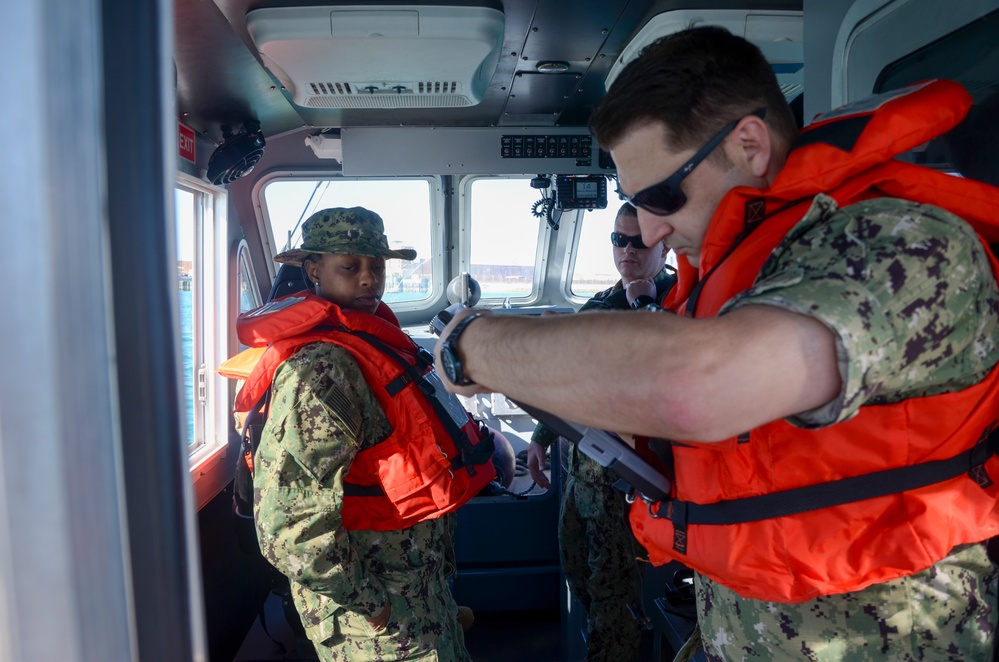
[{"x": 654, "y": 228}]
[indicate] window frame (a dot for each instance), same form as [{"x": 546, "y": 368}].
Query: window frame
[
  {"x": 437, "y": 204},
  {"x": 875, "y": 34},
  {"x": 242, "y": 263},
  {"x": 465, "y": 245},
  {"x": 211, "y": 338}
]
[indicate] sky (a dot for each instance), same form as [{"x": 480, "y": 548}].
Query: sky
[{"x": 184, "y": 208}]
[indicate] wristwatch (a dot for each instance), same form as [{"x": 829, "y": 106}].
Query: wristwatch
[
  {"x": 453, "y": 370},
  {"x": 641, "y": 301}
]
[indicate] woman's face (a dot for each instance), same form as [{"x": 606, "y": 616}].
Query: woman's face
[{"x": 354, "y": 282}]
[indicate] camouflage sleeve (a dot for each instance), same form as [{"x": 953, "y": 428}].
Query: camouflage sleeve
[
  {"x": 544, "y": 435},
  {"x": 906, "y": 288},
  {"x": 321, "y": 413}
]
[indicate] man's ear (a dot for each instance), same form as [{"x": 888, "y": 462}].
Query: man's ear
[{"x": 752, "y": 145}]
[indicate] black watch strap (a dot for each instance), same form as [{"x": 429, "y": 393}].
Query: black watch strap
[
  {"x": 642, "y": 300},
  {"x": 459, "y": 377}
]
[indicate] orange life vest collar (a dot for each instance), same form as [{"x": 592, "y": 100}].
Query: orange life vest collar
[
  {"x": 297, "y": 316},
  {"x": 436, "y": 458},
  {"x": 848, "y": 155},
  {"x": 849, "y": 545}
]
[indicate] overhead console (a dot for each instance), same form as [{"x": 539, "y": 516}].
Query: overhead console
[
  {"x": 380, "y": 56},
  {"x": 372, "y": 151}
]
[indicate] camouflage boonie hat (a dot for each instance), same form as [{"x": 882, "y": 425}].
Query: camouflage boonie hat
[{"x": 354, "y": 231}]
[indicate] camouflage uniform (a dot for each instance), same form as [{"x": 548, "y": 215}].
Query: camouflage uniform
[
  {"x": 919, "y": 274},
  {"x": 322, "y": 413},
  {"x": 596, "y": 546}
]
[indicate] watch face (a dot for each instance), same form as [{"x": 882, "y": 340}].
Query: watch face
[{"x": 451, "y": 364}]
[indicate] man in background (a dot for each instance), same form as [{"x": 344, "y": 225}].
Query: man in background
[{"x": 596, "y": 546}]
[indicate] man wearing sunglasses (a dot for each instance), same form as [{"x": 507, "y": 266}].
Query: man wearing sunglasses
[
  {"x": 596, "y": 547},
  {"x": 829, "y": 387}
]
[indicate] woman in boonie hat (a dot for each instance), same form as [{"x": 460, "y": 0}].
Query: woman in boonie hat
[
  {"x": 362, "y": 594},
  {"x": 343, "y": 253}
]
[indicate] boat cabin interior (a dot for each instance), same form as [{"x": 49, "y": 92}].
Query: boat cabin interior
[{"x": 162, "y": 153}]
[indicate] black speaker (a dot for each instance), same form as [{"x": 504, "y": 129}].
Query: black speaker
[{"x": 237, "y": 154}]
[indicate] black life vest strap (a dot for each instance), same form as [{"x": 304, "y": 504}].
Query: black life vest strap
[
  {"x": 834, "y": 493},
  {"x": 470, "y": 455},
  {"x": 242, "y": 483},
  {"x": 255, "y": 419},
  {"x": 352, "y": 489}
]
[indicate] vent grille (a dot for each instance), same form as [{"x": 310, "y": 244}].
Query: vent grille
[
  {"x": 392, "y": 100},
  {"x": 421, "y": 87},
  {"x": 323, "y": 89},
  {"x": 422, "y": 94},
  {"x": 438, "y": 87}
]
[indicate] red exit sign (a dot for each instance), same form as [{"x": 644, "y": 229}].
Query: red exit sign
[{"x": 185, "y": 142}]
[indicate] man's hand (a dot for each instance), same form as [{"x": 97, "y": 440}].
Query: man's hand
[
  {"x": 439, "y": 367},
  {"x": 380, "y": 622},
  {"x": 536, "y": 464},
  {"x": 640, "y": 287}
]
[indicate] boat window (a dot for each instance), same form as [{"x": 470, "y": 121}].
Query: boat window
[
  {"x": 592, "y": 266},
  {"x": 906, "y": 42},
  {"x": 503, "y": 238},
  {"x": 405, "y": 205},
  {"x": 191, "y": 338},
  {"x": 202, "y": 273},
  {"x": 970, "y": 56},
  {"x": 247, "y": 295}
]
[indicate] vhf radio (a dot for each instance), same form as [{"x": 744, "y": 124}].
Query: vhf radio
[{"x": 581, "y": 192}]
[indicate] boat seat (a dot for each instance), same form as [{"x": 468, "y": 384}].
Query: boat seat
[{"x": 289, "y": 279}]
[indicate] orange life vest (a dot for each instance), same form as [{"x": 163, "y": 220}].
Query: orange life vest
[
  {"x": 435, "y": 459},
  {"x": 763, "y": 513}
]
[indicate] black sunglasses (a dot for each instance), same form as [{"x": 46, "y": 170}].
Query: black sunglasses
[
  {"x": 667, "y": 197},
  {"x": 621, "y": 240}
]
